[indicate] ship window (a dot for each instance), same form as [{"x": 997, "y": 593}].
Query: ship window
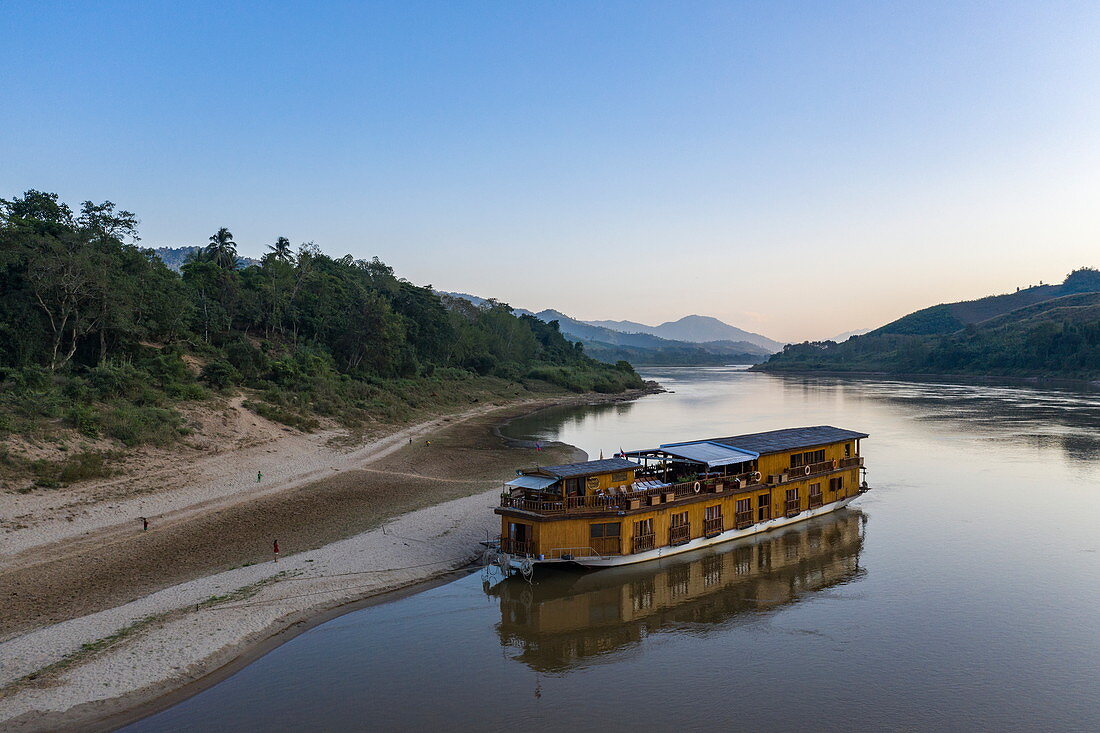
[
  {"x": 714, "y": 512},
  {"x": 608, "y": 529},
  {"x": 847, "y": 450},
  {"x": 679, "y": 520},
  {"x": 815, "y": 489},
  {"x": 792, "y": 494},
  {"x": 836, "y": 484},
  {"x": 643, "y": 527},
  {"x": 574, "y": 487},
  {"x": 807, "y": 458}
]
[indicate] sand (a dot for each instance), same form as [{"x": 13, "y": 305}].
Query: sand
[{"x": 201, "y": 585}]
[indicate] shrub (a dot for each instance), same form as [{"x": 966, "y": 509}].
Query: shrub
[
  {"x": 84, "y": 419},
  {"x": 219, "y": 374},
  {"x": 135, "y": 425}
]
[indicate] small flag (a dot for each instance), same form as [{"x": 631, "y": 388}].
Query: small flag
[
  {"x": 622, "y": 452},
  {"x": 538, "y": 445}
]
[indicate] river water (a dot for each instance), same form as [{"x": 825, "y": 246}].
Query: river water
[{"x": 962, "y": 592}]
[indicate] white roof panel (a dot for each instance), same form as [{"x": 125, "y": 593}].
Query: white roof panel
[
  {"x": 712, "y": 454},
  {"x": 532, "y": 482}
]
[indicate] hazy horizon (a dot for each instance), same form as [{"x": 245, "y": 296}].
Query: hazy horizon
[{"x": 794, "y": 170}]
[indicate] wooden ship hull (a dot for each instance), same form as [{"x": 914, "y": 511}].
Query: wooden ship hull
[
  {"x": 523, "y": 562},
  {"x": 649, "y": 504}
]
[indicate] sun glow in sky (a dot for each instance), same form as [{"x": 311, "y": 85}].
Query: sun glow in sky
[{"x": 798, "y": 169}]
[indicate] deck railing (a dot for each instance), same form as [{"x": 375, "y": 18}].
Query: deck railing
[
  {"x": 531, "y": 505},
  {"x": 643, "y": 542},
  {"x": 742, "y": 519},
  {"x": 809, "y": 469},
  {"x": 815, "y": 501},
  {"x": 852, "y": 462},
  {"x": 679, "y": 534},
  {"x": 625, "y": 499},
  {"x": 792, "y": 507},
  {"x": 516, "y": 547},
  {"x": 713, "y": 526}
]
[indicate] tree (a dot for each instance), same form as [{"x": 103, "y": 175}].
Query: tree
[
  {"x": 281, "y": 250},
  {"x": 103, "y": 223},
  {"x": 68, "y": 279},
  {"x": 222, "y": 250}
]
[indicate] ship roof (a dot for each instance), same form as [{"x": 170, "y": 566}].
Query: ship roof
[
  {"x": 702, "y": 451},
  {"x": 774, "y": 441},
  {"x": 587, "y": 468}
]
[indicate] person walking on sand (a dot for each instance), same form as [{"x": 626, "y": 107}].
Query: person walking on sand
[
  {"x": 276, "y": 547},
  {"x": 259, "y": 475},
  {"x": 144, "y": 524}
]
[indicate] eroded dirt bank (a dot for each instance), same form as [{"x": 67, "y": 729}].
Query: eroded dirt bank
[{"x": 152, "y": 611}]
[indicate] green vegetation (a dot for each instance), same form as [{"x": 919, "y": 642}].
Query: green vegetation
[
  {"x": 1055, "y": 336},
  {"x": 950, "y": 317},
  {"x": 99, "y": 335}
]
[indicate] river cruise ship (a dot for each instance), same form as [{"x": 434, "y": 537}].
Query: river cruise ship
[{"x": 647, "y": 504}]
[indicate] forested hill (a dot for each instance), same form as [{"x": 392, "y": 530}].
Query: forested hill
[
  {"x": 950, "y": 317},
  {"x": 1051, "y": 330},
  {"x": 99, "y": 334}
]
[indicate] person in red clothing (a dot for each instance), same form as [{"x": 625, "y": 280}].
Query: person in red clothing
[{"x": 276, "y": 544}]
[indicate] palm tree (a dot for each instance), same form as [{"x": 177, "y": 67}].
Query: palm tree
[
  {"x": 222, "y": 249},
  {"x": 281, "y": 250}
]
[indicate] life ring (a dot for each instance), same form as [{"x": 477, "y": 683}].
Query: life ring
[
  {"x": 698, "y": 487},
  {"x": 756, "y": 476},
  {"x": 805, "y": 470},
  {"x": 835, "y": 463}
]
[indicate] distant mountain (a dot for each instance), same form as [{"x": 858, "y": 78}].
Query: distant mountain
[
  {"x": 1049, "y": 330},
  {"x": 598, "y": 339},
  {"x": 842, "y": 337},
  {"x": 693, "y": 329},
  {"x": 640, "y": 348},
  {"x": 175, "y": 257}
]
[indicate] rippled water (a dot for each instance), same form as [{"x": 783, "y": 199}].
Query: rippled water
[{"x": 963, "y": 592}]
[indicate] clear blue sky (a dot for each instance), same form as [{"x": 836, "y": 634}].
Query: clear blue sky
[{"x": 795, "y": 168}]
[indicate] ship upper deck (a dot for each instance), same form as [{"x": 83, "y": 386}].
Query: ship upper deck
[{"x": 682, "y": 472}]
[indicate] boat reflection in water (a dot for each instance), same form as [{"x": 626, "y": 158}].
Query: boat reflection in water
[{"x": 568, "y": 619}]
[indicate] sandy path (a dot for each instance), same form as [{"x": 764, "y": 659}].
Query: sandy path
[
  {"x": 52, "y": 583},
  {"x": 287, "y": 459}
]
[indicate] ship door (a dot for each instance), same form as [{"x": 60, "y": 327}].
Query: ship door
[{"x": 519, "y": 538}]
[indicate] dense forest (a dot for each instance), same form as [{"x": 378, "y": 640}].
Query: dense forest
[
  {"x": 99, "y": 334},
  {"x": 1046, "y": 331}
]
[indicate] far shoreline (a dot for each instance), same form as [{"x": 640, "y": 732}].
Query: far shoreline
[{"x": 1032, "y": 381}]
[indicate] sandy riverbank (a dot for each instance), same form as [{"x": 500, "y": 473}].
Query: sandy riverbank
[{"x": 116, "y": 617}]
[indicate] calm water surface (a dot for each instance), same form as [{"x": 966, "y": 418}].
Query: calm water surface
[{"x": 963, "y": 592}]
